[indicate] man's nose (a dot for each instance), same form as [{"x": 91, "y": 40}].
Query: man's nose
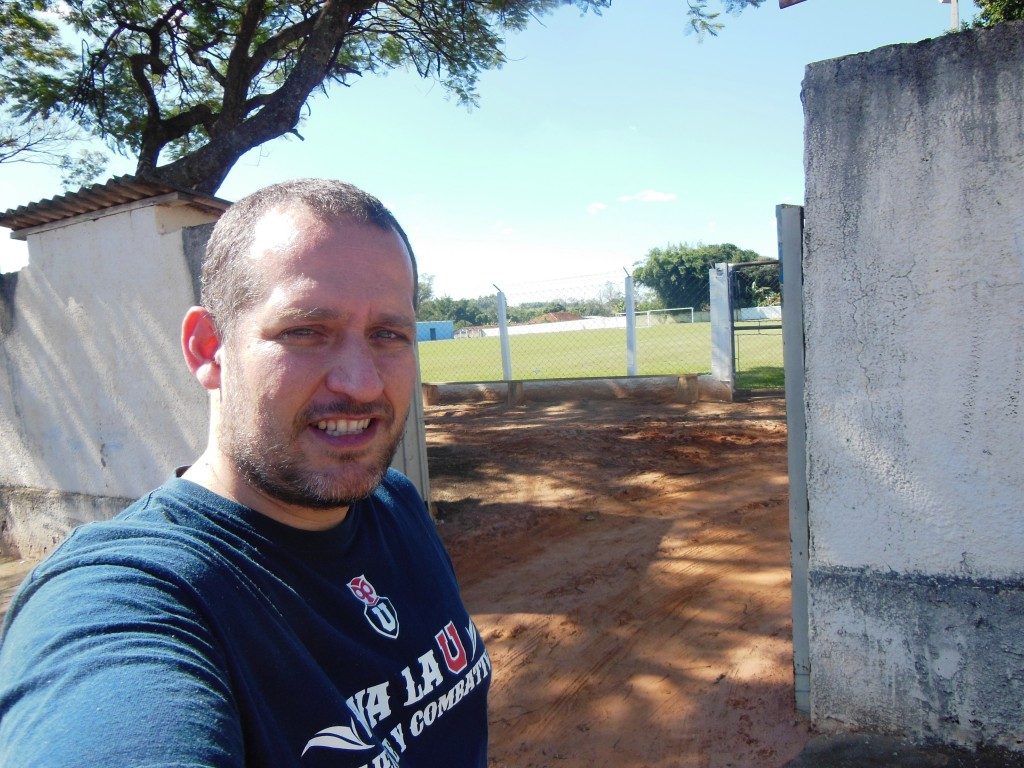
[{"x": 353, "y": 371}]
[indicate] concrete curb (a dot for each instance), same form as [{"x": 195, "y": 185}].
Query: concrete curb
[{"x": 688, "y": 388}]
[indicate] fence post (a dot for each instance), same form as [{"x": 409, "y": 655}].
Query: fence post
[
  {"x": 723, "y": 362},
  {"x": 630, "y": 327},
  {"x": 506, "y": 353}
]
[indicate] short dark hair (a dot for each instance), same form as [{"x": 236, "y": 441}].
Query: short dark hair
[{"x": 229, "y": 285}]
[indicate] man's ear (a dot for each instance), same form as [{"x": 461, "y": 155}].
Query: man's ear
[{"x": 200, "y": 343}]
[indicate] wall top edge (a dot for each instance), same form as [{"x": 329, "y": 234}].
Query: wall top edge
[
  {"x": 826, "y": 70},
  {"x": 113, "y": 195}
]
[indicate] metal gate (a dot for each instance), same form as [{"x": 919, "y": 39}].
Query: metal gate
[{"x": 755, "y": 297}]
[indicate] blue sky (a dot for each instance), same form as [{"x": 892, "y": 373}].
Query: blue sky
[{"x": 602, "y": 137}]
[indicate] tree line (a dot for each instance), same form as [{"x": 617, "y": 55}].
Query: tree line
[
  {"x": 483, "y": 310},
  {"x": 667, "y": 278}
]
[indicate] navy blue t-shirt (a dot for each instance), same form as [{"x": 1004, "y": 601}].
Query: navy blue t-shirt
[{"x": 192, "y": 631}]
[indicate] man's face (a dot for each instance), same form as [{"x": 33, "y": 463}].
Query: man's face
[{"x": 317, "y": 375}]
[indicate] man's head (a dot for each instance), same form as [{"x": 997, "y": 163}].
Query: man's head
[
  {"x": 307, "y": 338},
  {"x": 229, "y": 283}
]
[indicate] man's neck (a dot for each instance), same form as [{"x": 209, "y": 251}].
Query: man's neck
[{"x": 215, "y": 473}]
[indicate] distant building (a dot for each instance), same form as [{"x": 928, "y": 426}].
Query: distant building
[
  {"x": 554, "y": 317},
  {"x": 435, "y": 330}
]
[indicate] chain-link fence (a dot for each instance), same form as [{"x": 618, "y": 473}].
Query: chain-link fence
[
  {"x": 757, "y": 330},
  {"x": 574, "y": 328}
]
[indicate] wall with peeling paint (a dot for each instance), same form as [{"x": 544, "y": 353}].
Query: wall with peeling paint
[
  {"x": 96, "y": 405},
  {"x": 914, "y": 298}
]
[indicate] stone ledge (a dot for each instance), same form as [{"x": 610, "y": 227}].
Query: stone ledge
[{"x": 669, "y": 389}]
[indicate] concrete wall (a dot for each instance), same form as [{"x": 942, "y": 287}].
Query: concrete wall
[
  {"x": 914, "y": 294},
  {"x": 96, "y": 406}
]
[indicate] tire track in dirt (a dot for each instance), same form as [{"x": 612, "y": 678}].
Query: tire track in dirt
[{"x": 631, "y": 582}]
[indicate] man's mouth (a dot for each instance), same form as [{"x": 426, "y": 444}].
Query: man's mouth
[{"x": 339, "y": 427}]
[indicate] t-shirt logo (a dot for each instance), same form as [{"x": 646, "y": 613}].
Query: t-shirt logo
[{"x": 377, "y": 609}]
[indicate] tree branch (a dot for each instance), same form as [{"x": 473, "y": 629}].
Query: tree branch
[{"x": 239, "y": 71}]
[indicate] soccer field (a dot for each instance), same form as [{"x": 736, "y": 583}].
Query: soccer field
[{"x": 662, "y": 349}]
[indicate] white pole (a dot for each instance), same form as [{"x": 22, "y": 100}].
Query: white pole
[
  {"x": 954, "y": 11},
  {"x": 630, "y": 327},
  {"x": 506, "y": 354}
]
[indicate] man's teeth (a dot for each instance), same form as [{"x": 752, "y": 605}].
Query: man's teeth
[{"x": 336, "y": 427}]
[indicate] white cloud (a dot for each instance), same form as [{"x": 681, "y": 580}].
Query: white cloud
[
  {"x": 649, "y": 196},
  {"x": 595, "y": 208}
]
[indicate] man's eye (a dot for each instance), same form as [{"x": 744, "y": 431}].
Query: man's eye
[
  {"x": 300, "y": 333},
  {"x": 387, "y": 334}
]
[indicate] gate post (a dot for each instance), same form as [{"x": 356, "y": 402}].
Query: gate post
[
  {"x": 790, "y": 220},
  {"x": 723, "y": 361}
]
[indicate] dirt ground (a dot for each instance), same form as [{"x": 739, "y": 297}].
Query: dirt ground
[{"x": 628, "y": 567}]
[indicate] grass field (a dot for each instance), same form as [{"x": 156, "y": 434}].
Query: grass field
[
  {"x": 662, "y": 349},
  {"x": 758, "y": 356}
]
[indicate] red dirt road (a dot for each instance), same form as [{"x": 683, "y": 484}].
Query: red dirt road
[{"x": 628, "y": 567}]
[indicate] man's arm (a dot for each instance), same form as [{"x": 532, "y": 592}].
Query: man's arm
[{"x": 108, "y": 666}]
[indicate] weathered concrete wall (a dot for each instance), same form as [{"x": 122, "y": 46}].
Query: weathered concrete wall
[
  {"x": 914, "y": 289},
  {"x": 96, "y": 406}
]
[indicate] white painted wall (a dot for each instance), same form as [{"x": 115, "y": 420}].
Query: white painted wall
[
  {"x": 760, "y": 313},
  {"x": 913, "y": 290},
  {"x": 94, "y": 397},
  {"x": 93, "y": 353}
]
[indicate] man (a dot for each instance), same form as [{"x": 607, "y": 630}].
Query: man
[{"x": 285, "y": 600}]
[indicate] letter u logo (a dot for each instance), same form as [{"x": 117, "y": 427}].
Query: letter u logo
[
  {"x": 448, "y": 640},
  {"x": 383, "y": 617},
  {"x": 388, "y": 620}
]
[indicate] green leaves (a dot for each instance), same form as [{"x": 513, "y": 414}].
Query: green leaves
[
  {"x": 679, "y": 273},
  {"x": 997, "y": 11},
  {"x": 195, "y": 84},
  {"x": 704, "y": 22}
]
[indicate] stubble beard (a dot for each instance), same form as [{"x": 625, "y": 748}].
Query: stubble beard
[{"x": 275, "y": 465}]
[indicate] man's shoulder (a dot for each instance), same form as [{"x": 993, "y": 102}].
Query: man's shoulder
[
  {"x": 395, "y": 485},
  {"x": 401, "y": 498},
  {"x": 162, "y": 533}
]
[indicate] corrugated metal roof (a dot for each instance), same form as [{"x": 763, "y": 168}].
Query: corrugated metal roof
[{"x": 120, "y": 190}]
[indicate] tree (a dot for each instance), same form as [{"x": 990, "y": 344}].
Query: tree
[
  {"x": 757, "y": 286},
  {"x": 188, "y": 86},
  {"x": 30, "y": 40},
  {"x": 49, "y": 141},
  {"x": 997, "y": 11},
  {"x": 463, "y": 312},
  {"x": 679, "y": 273},
  {"x": 424, "y": 289}
]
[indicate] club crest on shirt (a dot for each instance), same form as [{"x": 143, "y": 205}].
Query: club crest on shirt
[{"x": 377, "y": 609}]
